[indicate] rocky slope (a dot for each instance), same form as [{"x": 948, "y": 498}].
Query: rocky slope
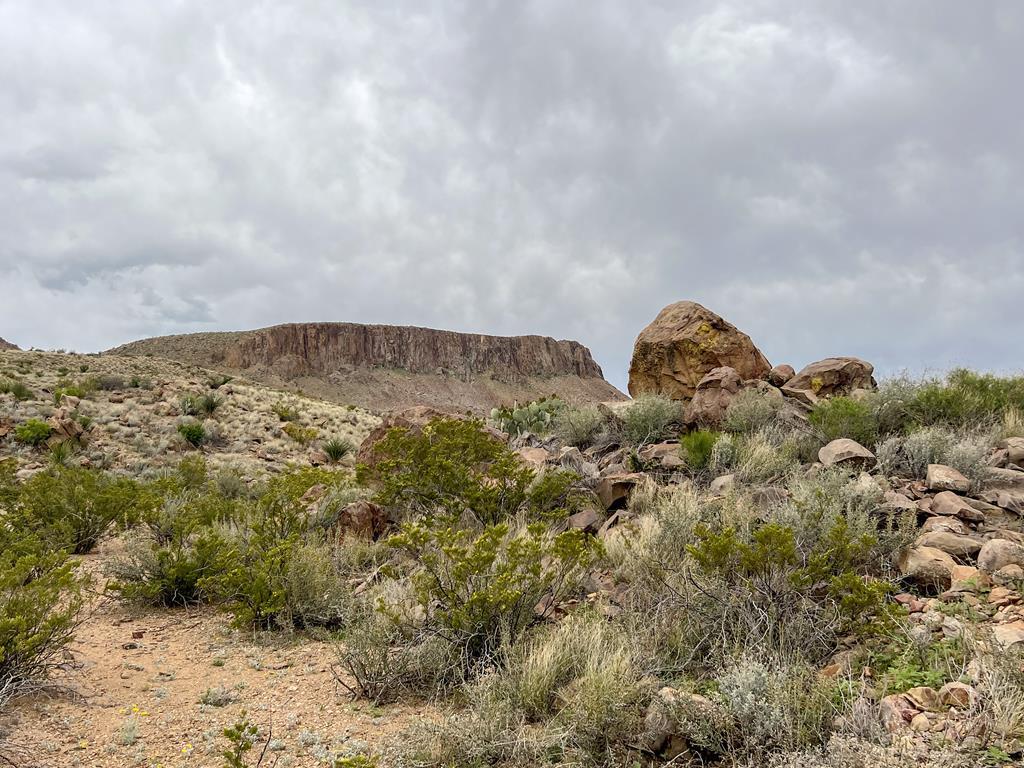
[
  {"x": 7, "y": 345},
  {"x": 384, "y": 367}
]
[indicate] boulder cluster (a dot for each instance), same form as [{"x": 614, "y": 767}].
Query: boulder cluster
[{"x": 691, "y": 354}]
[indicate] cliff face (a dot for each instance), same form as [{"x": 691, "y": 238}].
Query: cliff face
[
  {"x": 383, "y": 366},
  {"x": 326, "y": 347}
]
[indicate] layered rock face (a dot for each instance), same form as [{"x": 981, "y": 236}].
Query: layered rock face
[
  {"x": 685, "y": 342},
  {"x": 383, "y": 366}
]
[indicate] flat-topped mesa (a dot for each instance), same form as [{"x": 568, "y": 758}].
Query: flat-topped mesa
[
  {"x": 384, "y": 366},
  {"x": 326, "y": 347}
]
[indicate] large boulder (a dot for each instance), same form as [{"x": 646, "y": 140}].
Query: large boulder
[
  {"x": 834, "y": 376},
  {"x": 714, "y": 394},
  {"x": 926, "y": 566},
  {"x": 682, "y": 345},
  {"x": 943, "y": 478},
  {"x": 998, "y": 553},
  {"x": 843, "y": 450}
]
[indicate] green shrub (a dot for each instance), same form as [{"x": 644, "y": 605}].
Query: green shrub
[
  {"x": 110, "y": 382},
  {"x": 193, "y": 432},
  {"x": 962, "y": 398},
  {"x": 338, "y": 448},
  {"x": 40, "y": 602},
  {"x": 33, "y": 432},
  {"x": 316, "y": 593},
  {"x": 286, "y": 412},
  {"x": 536, "y": 417},
  {"x": 651, "y": 418},
  {"x": 72, "y": 507},
  {"x": 696, "y": 448},
  {"x": 581, "y": 426},
  {"x": 208, "y": 403},
  {"x": 450, "y": 467},
  {"x": 751, "y": 411},
  {"x": 165, "y": 572},
  {"x": 300, "y": 434},
  {"x": 845, "y": 417},
  {"x": 15, "y": 388},
  {"x": 481, "y": 589}
]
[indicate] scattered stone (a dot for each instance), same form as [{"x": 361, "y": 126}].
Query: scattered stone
[
  {"x": 998, "y": 553},
  {"x": 805, "y": 396},
  {"x": 895, "y": 712},
  {"x": 682, "y": 345},
  {"x": 1014, "y": 447},
  {"x": 536, "y": 457},
  {"x": 959, "y": 695},
  {"x": 780, "y": 374},
  {"x": 926, "y": 566},
  {"x": 843, "y": 450},
  {"x": 666, "y": 455},
  {"x": 948, "y": 503},
  {"x": 947, "y": 524},
  {"x": 1008, "y": 574},
  {"x": 712, "y": 397},
  {"x": 897, "y": 502},
  {"x": 834, "y": 376},
  {"x": 614, "y": 490},
  {"x": 943, "y": 478},
  {"x": 722, "y": 484},
  {"x": 1009, "y": 634},
  {"x": 954, "y": 544},
  {"x": 363, "y": 519},
  {"x": 588, "y": 521}
]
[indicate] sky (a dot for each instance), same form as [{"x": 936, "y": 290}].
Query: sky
[{"x": 835, "y": 178}]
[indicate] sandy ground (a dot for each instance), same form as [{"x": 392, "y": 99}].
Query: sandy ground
[{"x": 135, "y": 682}]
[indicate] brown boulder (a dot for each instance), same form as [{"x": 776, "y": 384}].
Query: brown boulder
[
  {"x": 943, "y": 478},
  {"x": 614, "y": 490},
  {"x": 926, "y": 566},
  {"x": 843, "y": 450},
  {"x": 683, "y": 344},
  {"x": 711, "y": 400},
  {"x": 780, "y": 374},
  {"x": 363, "y": 519},
  {"x": 834, "y": 376}
]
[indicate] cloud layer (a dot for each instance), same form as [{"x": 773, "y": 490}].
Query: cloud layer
[{"x": 835, "y": 178}]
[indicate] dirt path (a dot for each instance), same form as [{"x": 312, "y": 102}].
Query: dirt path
[{"x": 139, "y": 679}]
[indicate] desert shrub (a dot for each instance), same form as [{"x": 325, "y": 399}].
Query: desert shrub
[
  {"x": 910, "y": 456},
  {"x": 763, "y": 456},
  {"x": 33, "y": 432},
  {"x": 110, "y": 382},
  {"x": 479, "y": 589},
  {"x": 536, "y": 416},
  {"x": 164, "y": 574},
  {"x": 315, "y": 590},
  {"x": 755, "y": 708},
  {"x": 286, "y": 411},
  {"x": 251, "y": 569},
  {"x": 338, "y": 448},
  {"x": 751, "y": 411},
  {"x": 300, "y": 434},
  {"x": 72, "y": 507},
  {"x": 577, "y": 691},
  {"x": 15, "y": 388},
  {"x": 962, "y": 398},
  {"x": 696, "y": 448},
  {"x": 902, "y": 662},
  {"x": 581, "y": 426},
  {"x": 651, "y": 418},
  {"x": 208, "y": 403},
  {"x": 193, "y": 432},
  {"x": 61, "y": 452},
  {"x": 40, "y": 601},
  {"x": 218, "y": 380},
  {"x": 845, "y": 417},
  {"x": 452, "y": 467}
]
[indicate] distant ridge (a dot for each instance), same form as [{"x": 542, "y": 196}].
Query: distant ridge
[
  {"x": 386, "y": 366},
  {"x": 8, "y": 345}
]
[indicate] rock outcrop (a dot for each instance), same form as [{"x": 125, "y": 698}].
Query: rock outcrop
[
  {"x": 834, "y": 376},
  {"x": 684, "y": 343},
  {"x": 386, "y": 367},
  {"x": 7, "y": 345}
]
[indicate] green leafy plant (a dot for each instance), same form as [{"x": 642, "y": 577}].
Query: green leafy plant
[
  {"x": 193, "y": 432},
  {"x": 535, "y": 417},
  {"x": 300, "y": 434},
  {"x": 242, "y": 738},
  {"x": 696, "y": 448},
  {"x": 580, "y": 427},
  {"x": 286, "y": 412},
  {"x": 650, "y": 418},
  {"x": 40, "y": 603},
  {"x": 845, "y": 417},
  {"x": 338, "y": 448},
  {"x": 478, "y": 589},
  {"x": 15, "y": 388},
  {"x": 33, "y": 432}
]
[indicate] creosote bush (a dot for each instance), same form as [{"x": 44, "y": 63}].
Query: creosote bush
[
  {"x": 846, "y": 417},
  {"x": 696, "y": 448},
  {"x": 33, "y": 432},
  {"x": 193, "y": 432},
  {"x": 651, "y": 418}
]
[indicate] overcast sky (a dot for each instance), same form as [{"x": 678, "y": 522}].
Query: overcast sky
[{"x": 833, "y": 177}]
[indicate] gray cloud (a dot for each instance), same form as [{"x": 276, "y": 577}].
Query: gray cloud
[{"x": 835, "y": 178}]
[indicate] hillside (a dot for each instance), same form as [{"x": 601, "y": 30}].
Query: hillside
[{"x": 383, "y": 367}]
